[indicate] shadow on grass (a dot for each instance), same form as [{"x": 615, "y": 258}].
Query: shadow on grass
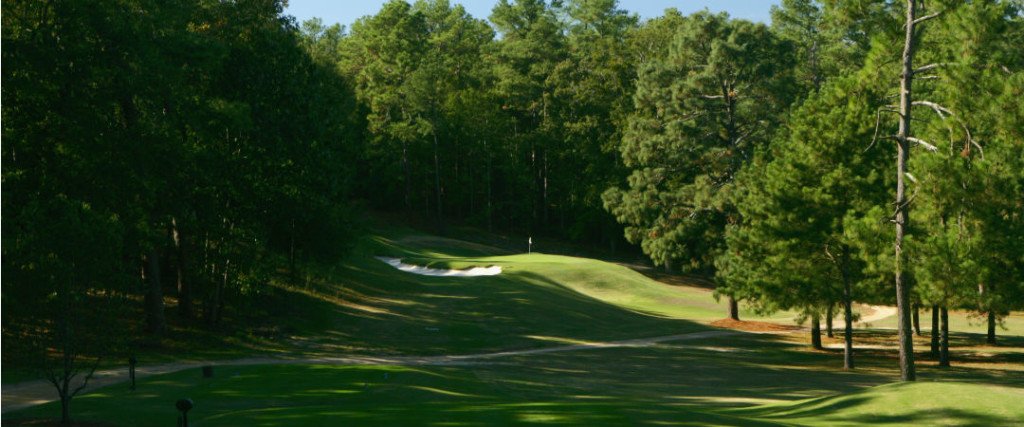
[
  {"x": 379, "y": 310},
  {"x": 718, "y": 381}
]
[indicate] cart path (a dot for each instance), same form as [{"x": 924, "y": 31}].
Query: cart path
[
  {"x": 30, "y": 393},
  {"x": 880, "y": 312}
]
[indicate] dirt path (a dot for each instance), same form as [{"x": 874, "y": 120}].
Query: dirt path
[{"x": 30, "y": 393}]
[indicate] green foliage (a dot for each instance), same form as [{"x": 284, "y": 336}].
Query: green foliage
[
  {"x": 817, "y": 34},
  {"x": 700, "y": 114},
  {"x": 200, "y": 134},
  {"x": 800, "y": 202},
  {"x": 969, "y": 196}
]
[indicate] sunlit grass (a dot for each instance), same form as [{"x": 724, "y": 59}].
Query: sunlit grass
[{"x": 364, "y": 306}]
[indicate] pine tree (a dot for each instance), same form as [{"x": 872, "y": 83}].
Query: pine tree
[
  {"x": 791, "y": 250},
  {"x": 700, "y": 114}
]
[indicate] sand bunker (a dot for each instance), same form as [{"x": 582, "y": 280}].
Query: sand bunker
[{"x": 427, "y": 271}]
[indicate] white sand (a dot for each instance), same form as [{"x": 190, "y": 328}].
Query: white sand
[{"x": 427, "y": 271}]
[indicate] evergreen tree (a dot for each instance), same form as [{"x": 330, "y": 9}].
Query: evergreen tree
[
  {"x": 791, "y": 250},
  {"x": 592, "y": 88},
  {"x": 530, "y": 47},
  {"x": 700, "y": 114}
]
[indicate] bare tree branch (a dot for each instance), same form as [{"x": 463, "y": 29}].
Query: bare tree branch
[
  {"x": 878, "y": 123},
  {"x": 85, "y": 381},
  {"x": 928, "y": 146},
  {"x": 927, "y": 17},
  {"x": 981, "y": 150},
  {"x": 971, "y": 141},
  {"x": 929, "y": 67},
  {"x": 936, "y": 107}
]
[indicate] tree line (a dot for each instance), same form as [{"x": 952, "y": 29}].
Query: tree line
[
  {"x": 774, "y": 158},
  {"x": 184, "y": 151},
  {"x": 155, "y": 152}
]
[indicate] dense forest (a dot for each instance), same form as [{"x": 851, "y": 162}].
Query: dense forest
[{"x": 188, "y": 151}]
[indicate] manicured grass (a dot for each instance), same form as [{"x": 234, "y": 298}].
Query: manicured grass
[
  {"x": 921, "y": 403},
  {"x": 609, "y": 283},
  {"x": 368, "y": 307},
  {"x": 364, "y": 306},
  {"x": 739, "y": 380}
]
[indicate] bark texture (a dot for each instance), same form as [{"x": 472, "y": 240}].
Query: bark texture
[
  {"x": 906, "y": 339},
  {"x": 847, "y": 311},
  {"x": 991, "y": 338},
  {"x": 944, "y": 344},
  {"x": 828, "y": 322},
  {"x": 816, "y": 332}
]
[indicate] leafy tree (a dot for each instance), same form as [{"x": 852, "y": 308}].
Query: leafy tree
[
  {"x": 384, "y": 54},
  {"x": 824, "y": 45},
  {"x": 652, "y": 39},
  {"x": 956, "y": 254},
  {"x": 455, "y": 45},
  {"x": 141, "y": 135},
  {"x": 791, "y": 250},
  {"x": 592, "y": 88},
  {"x": 700, "y": 114},
  {"x": 530, "y": 47}
]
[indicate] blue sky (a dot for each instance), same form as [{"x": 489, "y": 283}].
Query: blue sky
[{"x": 346, "y": 11}]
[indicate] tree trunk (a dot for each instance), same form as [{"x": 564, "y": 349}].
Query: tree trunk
[
  {"x": 437, "y": 184},
  {"x": 215, "y": 304},
  {"x": 291, "y": 253},
  {"x": 906, "y": 341},
  {"x": 490, "y": 207},
  {"x": 734, "y": 309},
  {"x": 935, "y": 331},
  {"x": 408, "y": 177},
  {"x": 991, "y": 339},
  {"x": 547, "y": 219},
  {"x": 847, "y": 311},
  {"x": 184, "y": 287},
  {"x": 816, "y": 332},
  {"x": 828, "y": 322},
  {"x": 220, "y": 293},
  {"x": 154, "y": 300},
  {"x": 65, "y": 409},
  {"x": 944, "y": 345},
  {"x": 535, "y": 195},
  {"x": 917, "y": 319},
  {"x": 208, "y": 300}
]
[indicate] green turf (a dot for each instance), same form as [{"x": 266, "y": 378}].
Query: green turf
[
  {"x": 922, "y": 403},
  {"x": 368, "y": 307},
  {"x": 745, "y": 380},
  {"x": 364, "y": 306}
]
